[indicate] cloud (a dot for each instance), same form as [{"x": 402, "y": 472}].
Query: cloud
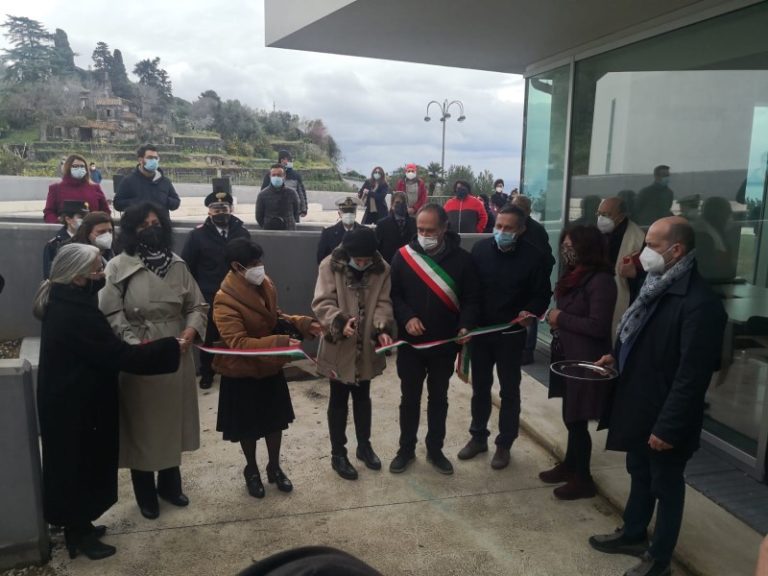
[{"x": 373, "y": 108}]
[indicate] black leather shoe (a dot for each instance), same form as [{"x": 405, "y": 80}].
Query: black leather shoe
[
  {"x": 149, "y": 511},
  {"x": 279, "y": 478},
  {"x": 472, "y": 449},
  {"x": 253, "y": 482},
  {"x": 206, "y": 381},
  {"x": 179, "y": 499},
  {"x": 401, "y": 462},
  {"x": 87, "y": 543},
  {"x": 368, "y": 456},
  {"x": 98, "y": 530},
  {"x": 343, "y": 467},
  {"x": 440, "y": 463},
  {"x": 618, "y": 543},
  {"x": 649, "y": 567}
]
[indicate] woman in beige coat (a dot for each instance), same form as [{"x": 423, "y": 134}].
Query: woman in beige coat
[
  {"x": 352, "y": 304},
  {"x": 151, "y": 294}
]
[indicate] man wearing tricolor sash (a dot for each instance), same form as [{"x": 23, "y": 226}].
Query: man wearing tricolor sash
[
  {"x": 434, "y": 295},
  {"x": 514, "y": 278}
]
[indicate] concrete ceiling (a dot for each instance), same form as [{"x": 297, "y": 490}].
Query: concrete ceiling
[{"x": 495, "y": 35}]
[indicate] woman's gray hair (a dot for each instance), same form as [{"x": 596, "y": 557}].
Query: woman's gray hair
[{"x": 72, "y": 261}]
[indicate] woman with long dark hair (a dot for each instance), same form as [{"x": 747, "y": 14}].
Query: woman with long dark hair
[
  {"x": 585, "y": 297},
  {"x": 96, "y": 229},
  {"x": 76, "y": 185},
  {"x": 373, "y": 194},
  {"x": 150, "y": 294}
]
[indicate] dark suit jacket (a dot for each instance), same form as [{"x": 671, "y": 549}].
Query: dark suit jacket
[
  {"x": 330, "y": 239},
  {"x": 666, "y": 373},
  {"x": 391, "y": 237}
]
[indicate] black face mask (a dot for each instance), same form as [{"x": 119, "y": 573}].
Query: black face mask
[
  {"x": 152, "y": 237},
  {"x": 221, "y": 220},
  {"x": 462, "y": 192},
  {"x": 401, "y": 210},
  {"x": 94, "y": 286}
]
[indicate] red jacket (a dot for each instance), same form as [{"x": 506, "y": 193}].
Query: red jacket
[
  {"x": 420, "y": 200},
  {"x": 73, "y": 189},
  {"x": 466, "y": 216}
]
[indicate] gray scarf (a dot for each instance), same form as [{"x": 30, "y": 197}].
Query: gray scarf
[{"x": 654, "y": 287}]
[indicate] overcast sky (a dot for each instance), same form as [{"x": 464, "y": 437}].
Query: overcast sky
[{"x": 373, "y": 108}]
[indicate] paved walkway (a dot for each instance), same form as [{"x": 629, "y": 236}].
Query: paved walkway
[{"x": 477, "y": 522}]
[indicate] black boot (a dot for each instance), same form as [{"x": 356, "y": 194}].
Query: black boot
[
  {"x": 277, "y": 476},
  {"x": 146, "y": 493},
  {"x": 253, "y": 482},
  {"x": 368, "y": 456},
  {"x": 169, "y": 487},
  {"x": 343, "y": 467},
  {"x": 83, "y": 539}
]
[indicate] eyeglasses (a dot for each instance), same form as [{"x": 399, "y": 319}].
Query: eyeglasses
[{"x": 78, "y": 165}]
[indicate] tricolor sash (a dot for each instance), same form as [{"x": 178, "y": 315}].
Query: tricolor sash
[{"x": 433, "y": 275}]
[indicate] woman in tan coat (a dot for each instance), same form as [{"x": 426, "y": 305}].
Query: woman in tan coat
[
  {"x": 150, "y": 294},
  {"x": 352, "y": 303},
  {"x": 254, "y": 401}
]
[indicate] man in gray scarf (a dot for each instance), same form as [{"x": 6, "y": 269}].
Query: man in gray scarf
[{"x": 669, "y": 344}]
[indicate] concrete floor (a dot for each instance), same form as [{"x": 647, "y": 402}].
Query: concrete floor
[{"x": 478, "y": 522}]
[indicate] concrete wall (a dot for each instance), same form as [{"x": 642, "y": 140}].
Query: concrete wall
[{"x": 289, "y": 257}]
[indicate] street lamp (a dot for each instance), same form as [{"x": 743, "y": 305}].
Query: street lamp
[{"x": 444, "y": 115}]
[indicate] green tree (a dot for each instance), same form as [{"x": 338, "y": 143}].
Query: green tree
[
  {"x": 63, "y": 58},
  {"x": 483, "y": 183},
  {"x": 31, "y": 53},
  {"x": 102, "y": 57},
  {"x": 458, "y": 172},
  {"x": 150, "y": 74},
  {"x": 434, "y": 176},
  {"x": 118, "y": 76}
]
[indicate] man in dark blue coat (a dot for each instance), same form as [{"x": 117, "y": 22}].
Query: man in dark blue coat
[
  {"x": 426, "y": 312},
  {"x": 331, "y": 237},
  {"x": 146, "y": 183},
  {"x": 514, "y": 278},
  {"x": 204, "y": 254},
  {"x": 293, "y": 180},
  {"x": 669, "y": 344}
]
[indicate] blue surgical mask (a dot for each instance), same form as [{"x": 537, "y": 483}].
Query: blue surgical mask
[
  {"x": 664, "y": 180},
  {"x": 354, "y": 265},
  {"x": 151, "y": 164},
  {"x": 78, "y": 173},
  {"x": 277, "y": 181},
  {"x": 504, "y": 240}
]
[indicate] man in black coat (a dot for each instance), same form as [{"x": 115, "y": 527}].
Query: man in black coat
[
  {"x": 146, "y": 183},
  {"x": 397, "y": 229},
  {"x": 514, "y": 281},
  {"x": 425, "y": 312},
  {"x": 331, "y": 237},
  {"x": 204, "y": 254},
  {"x": 71, "y": 216},
  {"x": 293, "y": 180},
  {"x": 669, "y": 344}
]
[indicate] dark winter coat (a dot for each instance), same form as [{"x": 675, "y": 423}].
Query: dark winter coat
[
  {"x": 666, "y": 374},
  {"x": 536, "y": 234},
  {"x": 73, "y": 189},
  {"x": 330, "y": 239},
  {"x": 280, "y": 202},
  {"x": 80, "y": 358},
  {"x": 292, "y": 180},
  {"x": 137, "y": 189},
  {"x": 412, "y": 298},
  {"x": 392, "y": 236},
  {"x": 377, "y": 193},
  {"x": 204, "y": 254},
  {"x": 584, "y": 333},
  {"x": 512, "y": 281},
  {"x": 51, "y": 249},
  {"x": 466, "y": 215}
]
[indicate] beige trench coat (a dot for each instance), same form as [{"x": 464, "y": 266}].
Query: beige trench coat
[
  {"x": 158, "y": 414},
  {"x": 633, "y": 240},
  {"x": 339, "y": 297}
]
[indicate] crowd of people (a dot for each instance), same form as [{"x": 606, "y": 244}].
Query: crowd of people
[{"x": 120, "y": 317}]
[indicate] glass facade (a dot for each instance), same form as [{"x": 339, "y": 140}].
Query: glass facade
[{"x": 694, "y": 100}]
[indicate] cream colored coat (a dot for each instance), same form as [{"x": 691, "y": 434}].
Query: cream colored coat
[
  {"x": 630, "y": 244},
  {"x": 158, "y": 414},
  {"x": 339, "y": 297}
]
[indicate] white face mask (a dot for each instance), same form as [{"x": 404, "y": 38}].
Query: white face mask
[
  {"x": 103, "y": 241},
  {"x": 500, "y": 189},
  {"x": 255, "y": 275},
  {"x": 428, "y": 242},
  {"x": 605, "y": 224},
  {"x": 76, "y": 223},
  {"x": 652, "y": 262},
  {"x": 348, "y": 218},
  {"x": 289, "y": 164},
  {"x": 410, "y": 175}
]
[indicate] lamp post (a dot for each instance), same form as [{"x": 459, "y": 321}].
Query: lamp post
[{"x": 444, "y": 115}]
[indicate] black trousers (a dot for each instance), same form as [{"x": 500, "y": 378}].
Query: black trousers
[
  {"x": 505, "y": 351},
  {"x": 578, "y": 454},
  {"x": 168, "y": 484},
  {"x": 211, "y": 336},
  {"x": 657, "y": 482},
  {"x": 413, "y": 366},
  {"x": 338, "y": 409}
]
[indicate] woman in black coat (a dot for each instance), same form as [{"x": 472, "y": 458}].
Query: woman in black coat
[
  {"x": 373, "y": 194},
  {"x": 581, "y": 330},
  {"x": 397, "y": 229},
  {"x": 80, "y": 358}
]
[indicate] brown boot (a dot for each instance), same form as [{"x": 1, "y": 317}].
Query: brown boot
[
  {"x": 560, "y": 473},
  {"x": 579, "y": 486},
  {"x": 500, "y": 459}
]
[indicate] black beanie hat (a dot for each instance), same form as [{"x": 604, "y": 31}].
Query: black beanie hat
[{"x": 360, "y": 242}]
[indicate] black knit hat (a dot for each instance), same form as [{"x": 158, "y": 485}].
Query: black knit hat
[{"x": 360, "y": 242}]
